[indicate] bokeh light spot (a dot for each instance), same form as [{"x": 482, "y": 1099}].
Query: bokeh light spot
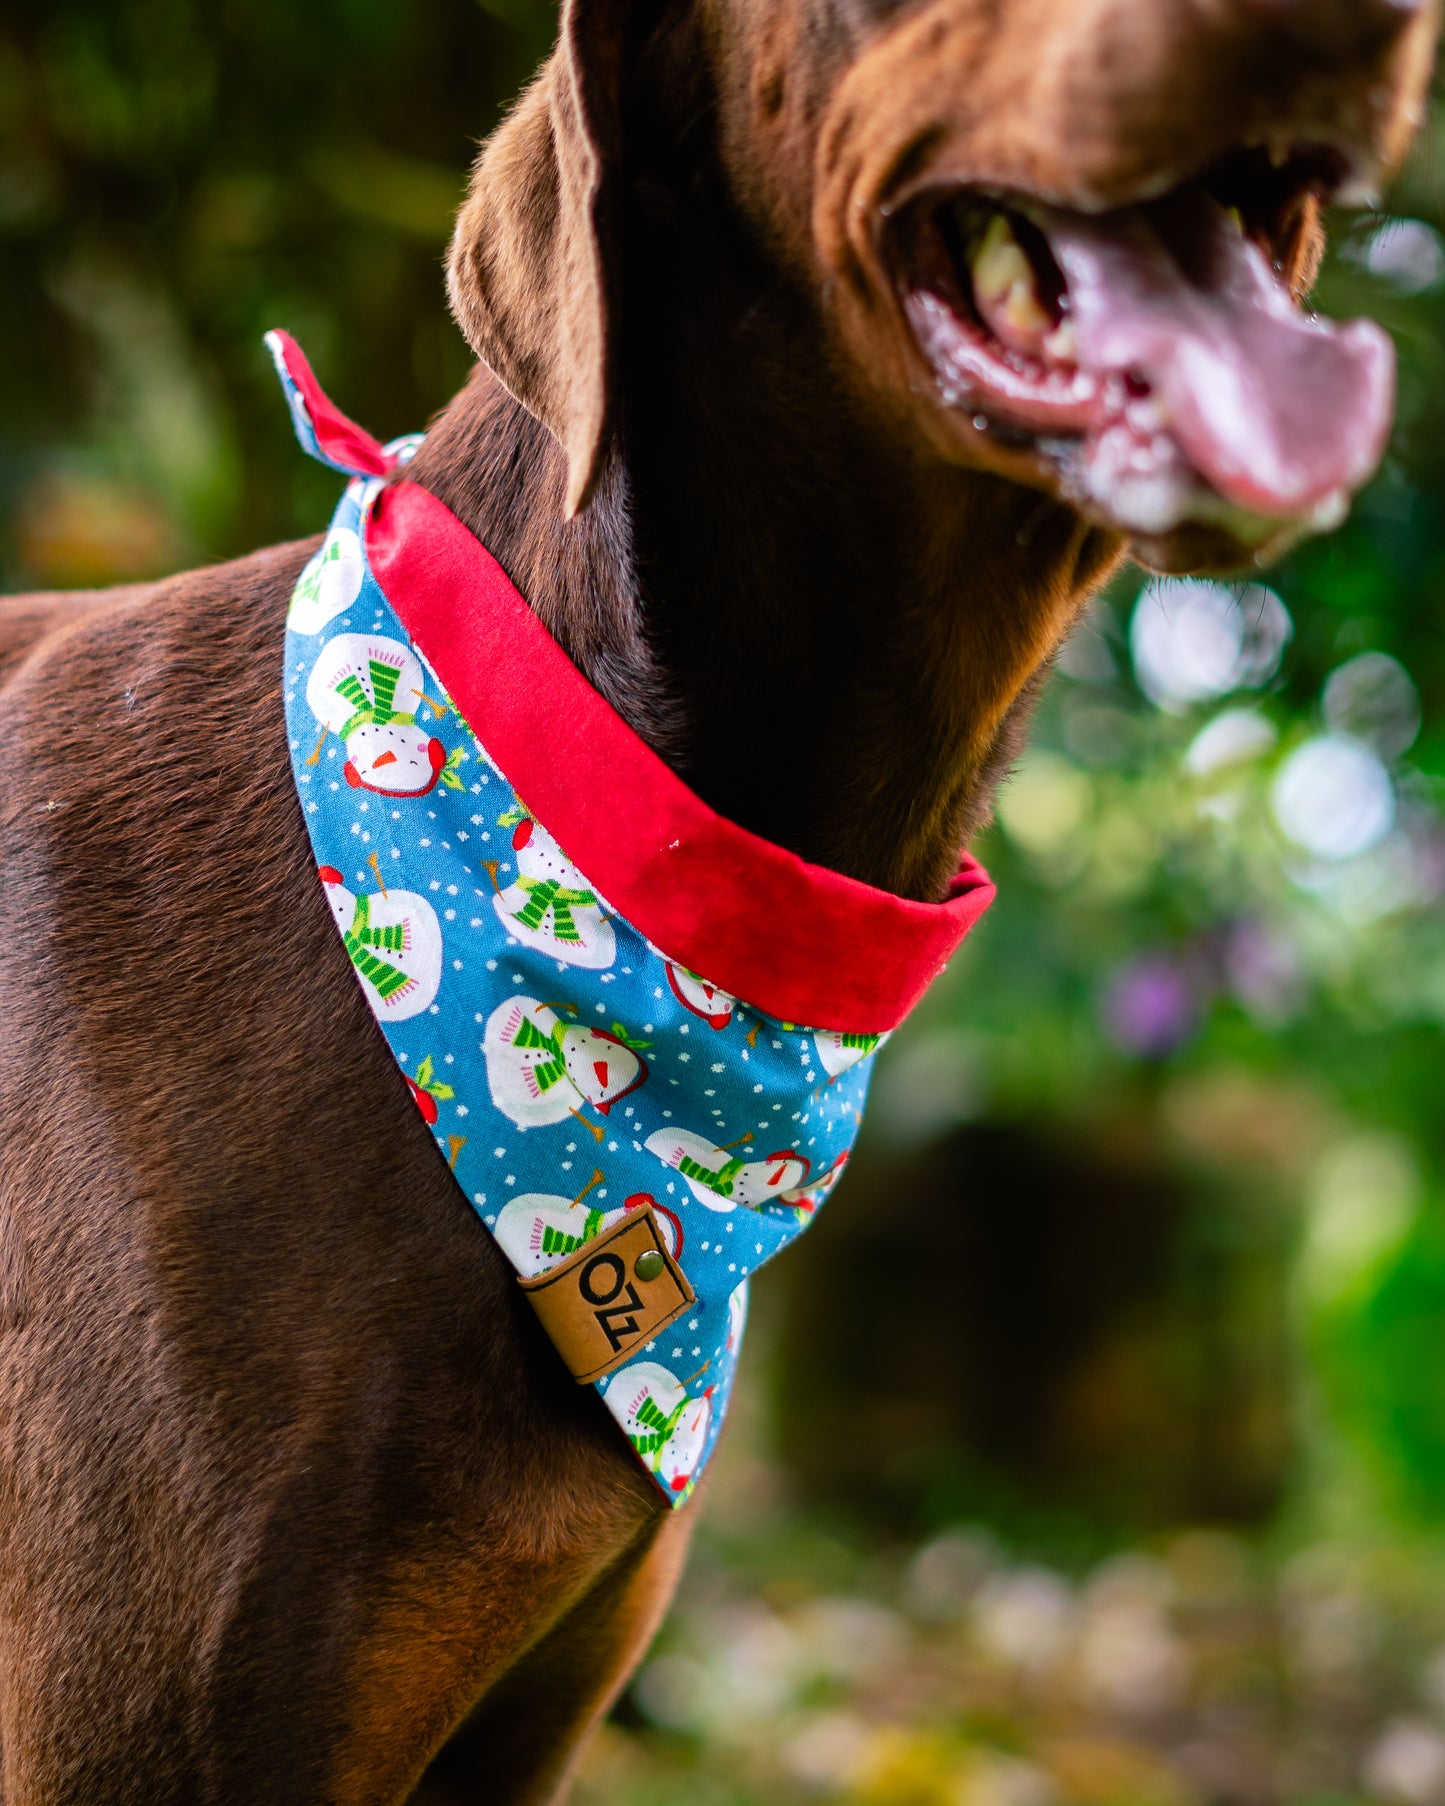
[
  {"x": 1333, "y": 797},
  {"x": 1193, "y": 641},
  {"x": 1373, "y": 698}
]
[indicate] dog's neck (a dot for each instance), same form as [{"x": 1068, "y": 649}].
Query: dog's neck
[{"x": 835, "y": 646}]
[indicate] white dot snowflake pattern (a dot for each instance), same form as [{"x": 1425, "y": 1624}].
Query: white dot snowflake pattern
[{"x": 547, "y": 1045}]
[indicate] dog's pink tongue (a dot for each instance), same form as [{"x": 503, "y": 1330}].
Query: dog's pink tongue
[{"x": 1278, "y": 411}]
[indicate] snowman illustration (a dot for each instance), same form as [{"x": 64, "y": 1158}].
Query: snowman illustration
[
  {"x": 808, "y": 1197},
  {"x": 395, "y": 943},
  {"x": 537, "y": 1230},
  {"x": 542, "y": 1069},
  {"x": 721, "y": 1178},
  {"x": 329, "y": 584},
  {"x": 703, "y": 999},
  {"x": 836, "y": 1053},
  {"x": 354, "y": 692},
  {"x": 666, "y": 1426},
  {"x": 550, "y": 906}
]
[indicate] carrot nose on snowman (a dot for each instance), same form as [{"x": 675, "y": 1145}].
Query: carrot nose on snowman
[
  {"x": 606, "y": 1069},
  {"x": 363, "y": 774}
]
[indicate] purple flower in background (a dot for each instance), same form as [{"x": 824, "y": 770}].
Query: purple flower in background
[{"x": 1149, "y": 1006}]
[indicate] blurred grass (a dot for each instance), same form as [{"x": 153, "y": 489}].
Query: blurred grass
[{"x": 811, "y": 1658}]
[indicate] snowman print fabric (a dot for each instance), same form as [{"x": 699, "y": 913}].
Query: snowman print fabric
[{"x": 569, "y": 1069}]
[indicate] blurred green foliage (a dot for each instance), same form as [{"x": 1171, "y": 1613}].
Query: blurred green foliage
[
  {"x": 175, "y": 178},
  {"x": 1172, "y": 1127}
]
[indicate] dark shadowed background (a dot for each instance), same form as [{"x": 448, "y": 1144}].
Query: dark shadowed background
[{"x": 1094, "y": 1448}]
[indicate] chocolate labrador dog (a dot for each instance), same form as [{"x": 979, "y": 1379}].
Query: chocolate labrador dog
[{"x": 832, "y": 352}]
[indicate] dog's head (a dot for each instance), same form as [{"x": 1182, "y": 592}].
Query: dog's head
[{"x": 1064, "y": 241}]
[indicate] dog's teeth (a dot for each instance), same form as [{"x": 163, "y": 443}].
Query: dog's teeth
[
  {"x": 1280, "y": 150},
  {"x": 1000, "y": 268},
  {"x": 1003, "y": 280},
  {"x": 1023, "y": 312},
  {"x": 998, "y": 261},
  {"x": 1236, "y": 219},
  {"x": 1062, "y": 344}
]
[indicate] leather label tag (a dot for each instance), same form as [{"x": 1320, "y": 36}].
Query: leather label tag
[{"x": 598, "y": 1308}]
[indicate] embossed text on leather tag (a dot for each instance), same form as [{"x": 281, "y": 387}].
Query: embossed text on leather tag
[{"x": 606, "y": 1302}]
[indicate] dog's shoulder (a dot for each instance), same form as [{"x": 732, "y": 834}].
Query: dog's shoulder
[
  {"x": 144, "y": 751},
  {"x": 63, "y": 627}
]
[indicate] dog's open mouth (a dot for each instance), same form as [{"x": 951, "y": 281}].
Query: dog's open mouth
[{"x": 1152, "y": 360}]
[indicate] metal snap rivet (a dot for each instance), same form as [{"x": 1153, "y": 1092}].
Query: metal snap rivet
[{"x": 649, "y": 1264}]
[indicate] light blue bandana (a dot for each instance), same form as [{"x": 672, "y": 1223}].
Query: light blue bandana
[{"x": 569, "y": 1070}]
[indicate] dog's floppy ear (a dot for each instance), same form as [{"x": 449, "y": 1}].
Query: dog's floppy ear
[{"x": 533, "y": 268}]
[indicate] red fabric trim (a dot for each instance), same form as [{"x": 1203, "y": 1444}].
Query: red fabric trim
[
  {"x": 798, "y": 942},
  {"x": 340, "y": 439}
]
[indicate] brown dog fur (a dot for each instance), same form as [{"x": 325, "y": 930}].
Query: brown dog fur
[{"x": 296, "y": 1502}]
